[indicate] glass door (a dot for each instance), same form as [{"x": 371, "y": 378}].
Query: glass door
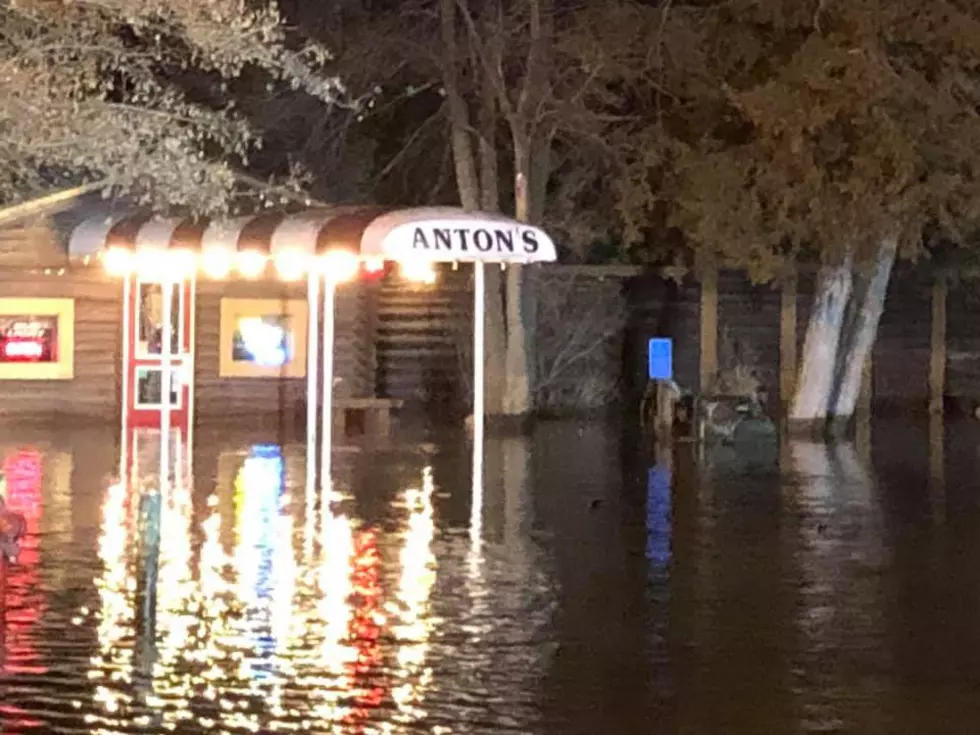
[{"x": 149, "y": 320}]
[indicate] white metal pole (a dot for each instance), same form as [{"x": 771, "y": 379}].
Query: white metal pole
[
  {"x": 312, "y": 384},
  {"x": 326, "y": 438},
  {"x": 127, "y": 322},
  {"x": 479, "y": 360},
  {"x": 312, "y": 370},
  {"x": 166, "y": 376},
  {"x": 191, "y": 368}
]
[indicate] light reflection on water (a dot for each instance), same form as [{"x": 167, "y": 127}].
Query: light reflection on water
[
  {"x": 246, "y": 637},
  {"x": 242, "y": 602},
  {"x": 607, "y": 592}
]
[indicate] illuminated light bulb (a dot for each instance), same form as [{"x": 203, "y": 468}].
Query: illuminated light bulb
[
  {"x": 418, "y": 272},
  {"x": 291, "y": 264},
  {"x": 118, "y": 261},
  {"x": 251, "y": 263},
  {"x": 340, "y": 266},
  {"x": 216, "y": 263},
  {"x": 374, "y": 265},
  {"x": 181, "y": 262},
  {"x": 152, "y": 262}
]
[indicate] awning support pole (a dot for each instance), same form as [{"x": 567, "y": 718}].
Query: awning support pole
[
  {"x": 312, "y": 400},
  {"x": 312, "y": 370},
  {"x": 166, "y": 379},
  {"x": 127, "y": 359},
  {"x": 191, "y": 370},
  {"x": 329, "y": 292},
  {"x": 479, "y": 362}
]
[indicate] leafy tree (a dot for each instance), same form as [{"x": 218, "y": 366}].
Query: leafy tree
[
  {"x": 133, "y": 93},
  {"x": 794, "y": 129},
  {"x": 490, "y": 87}
]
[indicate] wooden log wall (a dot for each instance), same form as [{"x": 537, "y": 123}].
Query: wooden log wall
[
  {"x": 98, "y": 346},
  {"x": 219, "y": 397},
  {"x": 31, "y": 244},
  {"x": 420, "y": 335},
  {"x": 93, "y": 392}
]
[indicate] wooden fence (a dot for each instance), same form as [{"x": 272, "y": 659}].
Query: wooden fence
[
  {"x": 927, "y": 352},
  {"x": 419, "y": 329}
]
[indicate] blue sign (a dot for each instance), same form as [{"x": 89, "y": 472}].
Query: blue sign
[{"x": 660, "y": 358}]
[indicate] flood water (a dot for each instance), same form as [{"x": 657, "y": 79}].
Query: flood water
[{"x": 598, "y": 591}]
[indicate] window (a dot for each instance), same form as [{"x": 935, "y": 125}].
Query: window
[
  {"x": 148, "y": 383},
  {"x": 25, "y": 338},
  {"x": 151, "y": 319},
  {"x": 37, "y": 339},
  {"x": 262, "y": 340}
]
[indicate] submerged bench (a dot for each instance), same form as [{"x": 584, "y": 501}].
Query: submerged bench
[{"x": 368, "y": 416}]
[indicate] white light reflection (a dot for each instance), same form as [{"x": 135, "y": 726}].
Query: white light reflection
[
  {"x": 474, "y": 559},
  {"x": 219, "y": 640},
  {"x": 333, "y": 611},
  {"x": 417, "y": 578},
  {"x": 178, "y": 598},
  {"x": 262, "y": 630},
  {"x": 264, "y": 587},
  {"x": 112, "y": 667}
]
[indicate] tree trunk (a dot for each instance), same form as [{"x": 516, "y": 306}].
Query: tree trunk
[
  {"x": 517, "y": 399},
  {"x": 467, "y": 180},
  {"x": 815, "y": 385},
  {"x": 496, "y": 327},
  {"x": 864, "y": 313},
  {"x": 478, "y": 187},
  {"x": 496, "y": 342}
]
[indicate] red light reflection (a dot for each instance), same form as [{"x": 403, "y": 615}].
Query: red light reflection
[
  {"x": 365, "y": 629},
  {"x": 22, "y": 605}
]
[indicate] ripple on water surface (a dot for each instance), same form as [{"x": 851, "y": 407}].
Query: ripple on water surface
[
  {"x": 598, "y": 591},
  {"x": 242, "y": 603}
]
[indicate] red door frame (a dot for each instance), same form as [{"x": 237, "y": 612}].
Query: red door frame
[{"x": 135, "y": 416}]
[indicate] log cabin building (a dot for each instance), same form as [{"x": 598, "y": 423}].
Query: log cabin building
[
  {"x": 84, "y": 311},
  {"x": 62, "y": 327}
]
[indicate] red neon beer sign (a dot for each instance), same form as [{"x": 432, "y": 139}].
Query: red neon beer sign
[
  {"x": 28, "y": 350},
  {"x": 29, "y": 340}
]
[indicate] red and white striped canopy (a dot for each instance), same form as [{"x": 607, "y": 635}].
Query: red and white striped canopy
[{"x": 424, "y": 234}]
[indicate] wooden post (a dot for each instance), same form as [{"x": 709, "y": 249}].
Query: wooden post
[
  {"x": 937, "y": 353},
  {"x": 787, "y": 339},
  {"x": 664, "y": 425},
  {"x": 709, "y": 327}
]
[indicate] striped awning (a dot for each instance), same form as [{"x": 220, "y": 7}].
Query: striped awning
[{"x": 424, "y": 234}]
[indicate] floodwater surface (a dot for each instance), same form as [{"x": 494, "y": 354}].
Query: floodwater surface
[{"x": 595, "y": 590}]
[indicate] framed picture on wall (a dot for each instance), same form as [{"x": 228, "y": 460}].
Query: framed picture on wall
[
  {"x": 37, "y": 339},
  {"x": 262, "y": 338}
]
